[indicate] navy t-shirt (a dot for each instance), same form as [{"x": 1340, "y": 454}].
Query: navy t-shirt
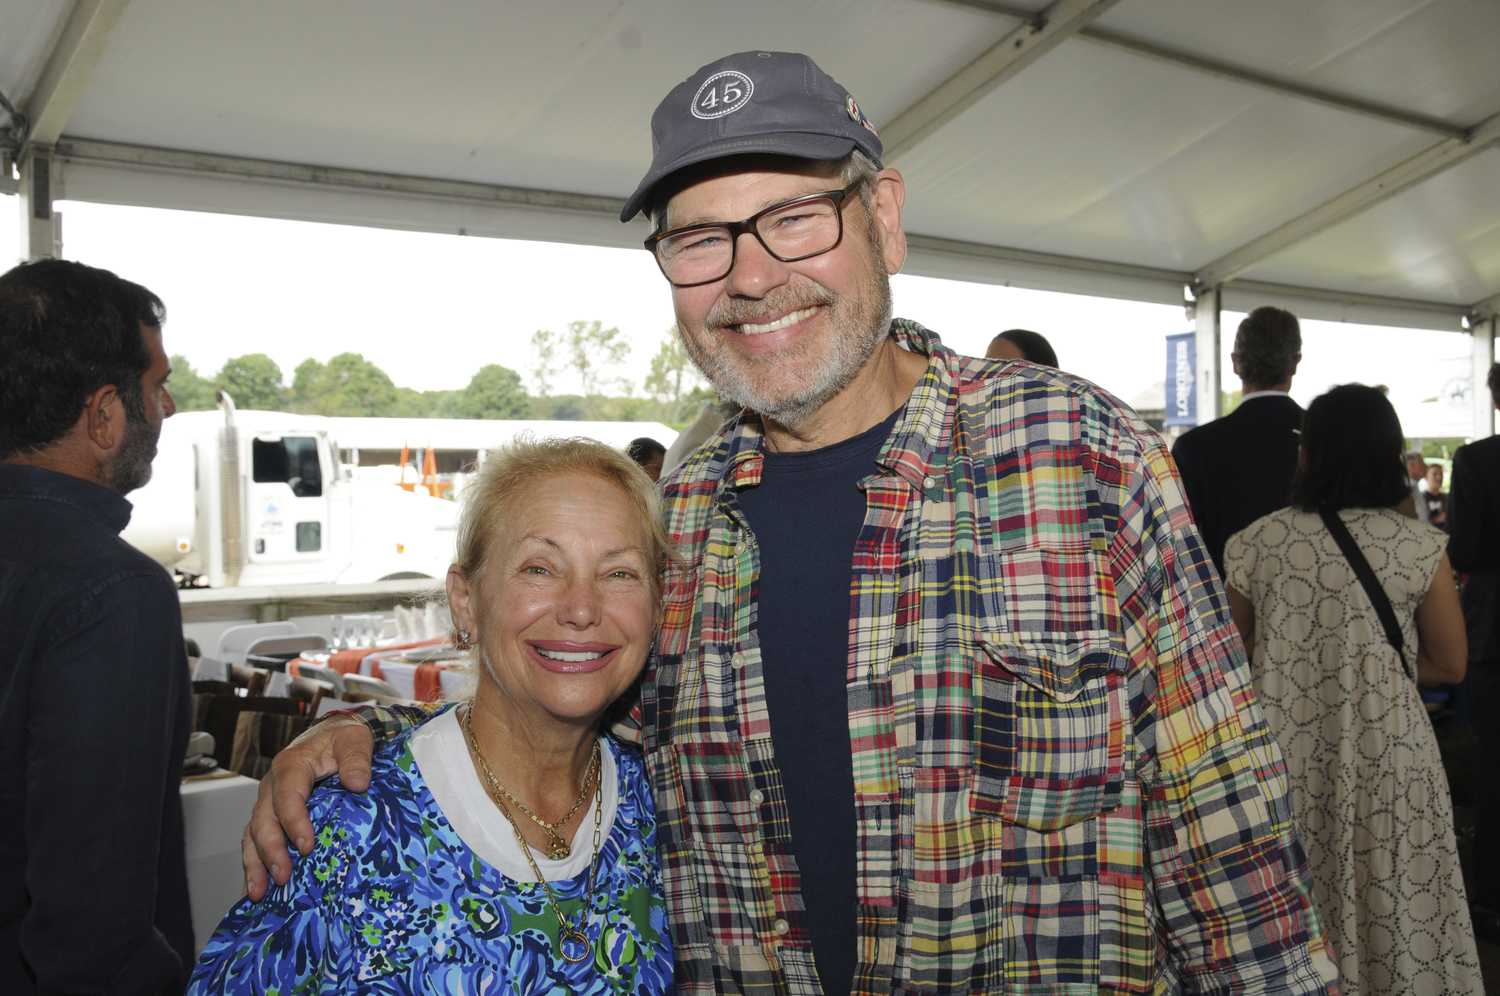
[{"x": 806, "y": 515}]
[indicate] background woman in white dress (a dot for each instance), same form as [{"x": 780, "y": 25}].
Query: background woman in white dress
[{"x": 1367, "y": 781}]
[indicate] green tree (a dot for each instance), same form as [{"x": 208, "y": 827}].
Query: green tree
[
  {"x": 561, "y": 408},
  {"x": 674, "y": 380},
  {"x": 348, "y": 384},
  {"x": 494, "y": 392},
  {"x": 253, "y": 381},
  {"x": 190, "y": 392},
  {"x": 546, "y": 364},
  {"x": 425, "y": 404},
  {"x": 587, "y": 349},
  {"x": 595, "y": 353}
]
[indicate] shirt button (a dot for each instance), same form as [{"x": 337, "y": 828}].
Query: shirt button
[
  {"x": 929, "y": 481},
  {"x": 757, "y": 797},
  {"x": 782, "y": 927},
  {"x": 739, "y": 661}
]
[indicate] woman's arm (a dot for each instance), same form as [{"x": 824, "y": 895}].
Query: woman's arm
[
  {"x": 1244, "y": 618},
  {"x": 1442, "y": 643}
]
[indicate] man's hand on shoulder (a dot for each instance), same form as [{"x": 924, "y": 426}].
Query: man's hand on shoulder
[{"x": 341, "y": 744}]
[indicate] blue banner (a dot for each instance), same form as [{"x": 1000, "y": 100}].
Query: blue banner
[{"x": 1182, "y": 379}]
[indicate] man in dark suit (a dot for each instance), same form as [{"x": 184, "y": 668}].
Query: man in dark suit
[
  {"x": 97, "y": 704},
  {"x": 1474, "y": 549},
  {"x": 1238, "y": 468}
]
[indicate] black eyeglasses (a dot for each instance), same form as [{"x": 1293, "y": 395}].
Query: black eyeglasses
[{"x": 795, "y": 229}]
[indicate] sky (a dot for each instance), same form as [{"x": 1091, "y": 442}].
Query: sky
[{"x": 431, "y": 309}]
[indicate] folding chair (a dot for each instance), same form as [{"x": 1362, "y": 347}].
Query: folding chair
[
  {"x": 322, "y": 673},
  {"x": 366, "y": 685},
  {"x": 235, "y": 640}
]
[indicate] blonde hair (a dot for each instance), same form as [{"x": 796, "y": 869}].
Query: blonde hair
[{"x": 511, "y": 471}]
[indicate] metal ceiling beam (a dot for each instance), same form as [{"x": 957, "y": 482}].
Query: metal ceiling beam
[
  {"x": 1422, "y": 166},
  {"x": 1046, "y": 260},
  {"x": 1182, "y": 278},
  {"x": 261, "y": 171},
  {"x": 1488, "y": 308},
  {"x": 1020, "y": 47},
  {"x": 70, "y": 67},
  {"x": 1238, "y": 74},
  {"x": 268, "y": 171}
]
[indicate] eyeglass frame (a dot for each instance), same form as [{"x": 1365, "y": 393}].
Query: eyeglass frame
[{"x": 749, "y": 226}]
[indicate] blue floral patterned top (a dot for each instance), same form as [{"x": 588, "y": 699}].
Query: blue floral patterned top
[{"x": 391, "y": 901}]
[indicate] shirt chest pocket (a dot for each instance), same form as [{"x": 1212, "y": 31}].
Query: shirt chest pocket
[{"x": 1050, "y": 728}]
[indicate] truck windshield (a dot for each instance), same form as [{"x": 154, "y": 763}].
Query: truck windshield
[{"x": 292, "y": 460}]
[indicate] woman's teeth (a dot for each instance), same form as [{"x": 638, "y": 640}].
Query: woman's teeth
[
  {"x": 780, "y": 323},
  {"x": 566, "y": 656}
]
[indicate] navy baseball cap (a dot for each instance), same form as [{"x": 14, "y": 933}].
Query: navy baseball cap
[{"x": 773, "y": 102}]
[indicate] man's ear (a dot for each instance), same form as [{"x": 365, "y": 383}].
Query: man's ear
[
  {"x": 1295, "y": 361},
  {"x": 887, "y": 201},
  {"x": 104, "y": 418},
  {"x": 1234, "y": 364}
]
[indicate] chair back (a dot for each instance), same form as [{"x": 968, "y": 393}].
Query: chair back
[
  {"x": 259, "y": 737},
  {"x": 322, "y": 673},
  {"x": 223, "y": 717},
  {"x": 312, "y": 691},
  {"x": 369, "y": 686},
  {"x": 235, "y": 640},
  {"x": 251, "y": 679},
  {"x": 296, "y": 643}
]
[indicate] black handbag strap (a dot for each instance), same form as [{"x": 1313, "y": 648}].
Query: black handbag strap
[{"x": 1371, "y": 584}]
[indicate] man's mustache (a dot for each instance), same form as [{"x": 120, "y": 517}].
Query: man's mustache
[{"x": 779, "y": 301}]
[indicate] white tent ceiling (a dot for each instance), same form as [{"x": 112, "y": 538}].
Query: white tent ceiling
[{"x": 1344, "y": 151}]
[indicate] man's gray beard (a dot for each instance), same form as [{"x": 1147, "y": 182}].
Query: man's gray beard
[
  {"x": 856, "y": 335},
  {"x": 131, "y": 468}
]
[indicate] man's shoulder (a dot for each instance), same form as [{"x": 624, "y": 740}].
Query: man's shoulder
[
  {"x": 53, "y": 556},
  {"x": 1485, "y": 452},
  {"x": 1248, "y": 418},
  {"x": 1032, "y": 399},
  {"x": 67, "y": 541}
]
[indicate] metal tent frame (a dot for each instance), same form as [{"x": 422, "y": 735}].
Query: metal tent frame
[{"x": 1339, "y": 158}]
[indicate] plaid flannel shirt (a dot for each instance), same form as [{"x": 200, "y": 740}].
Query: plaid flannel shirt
[{"x": 1063, "y": 781}]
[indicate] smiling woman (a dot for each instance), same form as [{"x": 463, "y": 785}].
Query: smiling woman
[{"x": 504, "y": 844}]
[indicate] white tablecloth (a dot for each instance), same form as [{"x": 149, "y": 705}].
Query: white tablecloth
[
  {"x": 214, "y": 814},
  {"x": 403, "y": 679}
]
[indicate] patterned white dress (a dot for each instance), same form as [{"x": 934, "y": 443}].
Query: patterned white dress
[{"x": 1367, "y": 781}]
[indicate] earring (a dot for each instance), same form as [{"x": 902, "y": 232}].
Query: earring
[{"x": 463, "y": 635}]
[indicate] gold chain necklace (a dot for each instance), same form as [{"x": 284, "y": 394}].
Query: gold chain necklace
[
  {"x": 567, "y": 933},
  {"x": 557, "y": 847}
]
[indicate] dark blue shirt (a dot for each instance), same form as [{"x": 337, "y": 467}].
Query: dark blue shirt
[
  {"x": 806, "y": 515},
  {"x": 95, "y": 711}
]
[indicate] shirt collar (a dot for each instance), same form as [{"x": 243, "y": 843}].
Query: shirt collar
[
  {"x": 1263, "y": 394},
  {"x": 108, "y": 508},
  {"x": 920, "y": 434}
]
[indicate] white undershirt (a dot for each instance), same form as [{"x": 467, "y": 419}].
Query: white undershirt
[{"x": 443, "y": 759}]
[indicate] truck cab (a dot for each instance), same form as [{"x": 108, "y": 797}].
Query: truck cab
[{"x": 244, "y": 498}]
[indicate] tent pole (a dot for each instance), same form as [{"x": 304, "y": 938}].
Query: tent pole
[
  {"x": 1206, "y": 325},
  {"x": 1484, "y": 355},
  {"x": 41, "y": 227}
]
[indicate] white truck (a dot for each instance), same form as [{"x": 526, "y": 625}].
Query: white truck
[{"x": 251, "y": 498}]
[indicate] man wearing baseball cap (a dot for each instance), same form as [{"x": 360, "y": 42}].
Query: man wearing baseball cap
[{"x": 946, "y": 697}]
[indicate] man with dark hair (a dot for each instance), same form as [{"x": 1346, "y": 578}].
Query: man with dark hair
[
  {"x": 1474, "y": 549},
  {"x": 946, "y": 696},
  {"x": 1022, "y": 344},
  {"x": 648, "y": 455},
  {"x": 1238, "y": 468},
  {"x": 97, "y": 706}
]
